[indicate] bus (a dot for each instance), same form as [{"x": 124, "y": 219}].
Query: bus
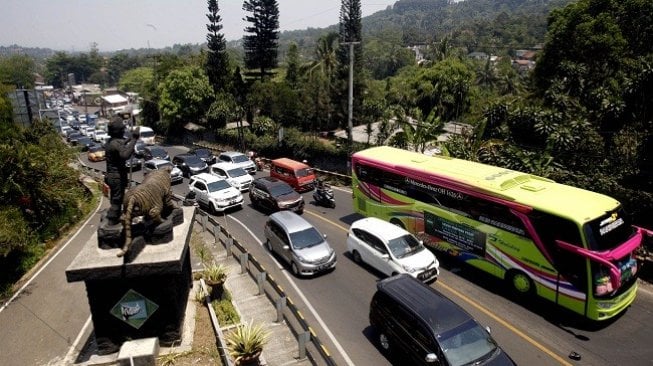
[{"x": 571, "y": 246}]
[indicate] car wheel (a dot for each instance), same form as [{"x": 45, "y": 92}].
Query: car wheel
[
  {"x": 212, "y": 209},
  {"x": 294, "y": 269},
  {"x": 356, "y": 256},
  {"x": 384, "y": 342}
]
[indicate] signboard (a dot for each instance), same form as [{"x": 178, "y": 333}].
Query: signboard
[
  {"x": 134, "y": 309},
  {"x": 462, "y": 236}
]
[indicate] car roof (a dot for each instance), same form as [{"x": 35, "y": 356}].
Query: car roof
[
  {"x": 290, "y": 221},
  {"x": 269, "y": 181},
  {"x": 435, "y": 309},
  {"x": 226, "y": 165},
  {"x": 231, "y": 153},
  {"x": 379, "y": 228},
  {"x": 209, "y": 178},
  {"x": 158, "y": 161}
]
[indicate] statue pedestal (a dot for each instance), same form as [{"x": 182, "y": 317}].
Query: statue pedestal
[{"x": 140, "y": 299}]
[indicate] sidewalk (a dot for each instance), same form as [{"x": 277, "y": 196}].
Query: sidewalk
[{"x": 282, "y": 347}]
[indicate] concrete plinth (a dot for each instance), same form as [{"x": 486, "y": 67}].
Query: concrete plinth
[{"x": 143, "y": 298}]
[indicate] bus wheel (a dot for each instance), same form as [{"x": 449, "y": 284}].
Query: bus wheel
[
  {"x": 520, "y": 284},
  {"x": 397, "y": 222}
]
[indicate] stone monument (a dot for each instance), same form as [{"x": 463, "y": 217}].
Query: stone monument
[{"x": 137, "y": 272}]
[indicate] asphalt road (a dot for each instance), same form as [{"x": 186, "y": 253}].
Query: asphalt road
[{"x": 47, "y": 318}]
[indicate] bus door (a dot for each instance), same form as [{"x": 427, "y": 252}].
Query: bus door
[{"x": 571, "y": 268}]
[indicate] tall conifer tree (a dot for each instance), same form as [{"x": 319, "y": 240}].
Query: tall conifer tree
[
  {"x": 262, "y": 42},
  {"x": 217, "y": 62},
  {"x": 350, "y": 31}
]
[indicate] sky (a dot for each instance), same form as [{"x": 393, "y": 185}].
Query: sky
[{"x": 74, "y": 25}]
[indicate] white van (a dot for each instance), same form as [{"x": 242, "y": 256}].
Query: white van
[{"x": 147, "y": 135}]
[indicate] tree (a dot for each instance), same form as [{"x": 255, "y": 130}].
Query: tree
[
  {"x": 262, "y": 43},
  {"x": 17, "y": 70},
  {"x": 350, "y": 30},
  {"x": 139, "y": 80},
  {"x": 185, "y": 95},
  {"x": 320, "y": 74},
  {"x": 217, "y": 62},
  {"x": 292, "y": 65}
]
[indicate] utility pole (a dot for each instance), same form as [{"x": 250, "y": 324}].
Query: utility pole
[{"x": 351, "y": 94}]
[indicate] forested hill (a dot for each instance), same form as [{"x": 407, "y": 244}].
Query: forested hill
[{"x": 479, "y": 25}]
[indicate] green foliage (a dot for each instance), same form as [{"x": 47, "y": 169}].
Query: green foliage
[
  {"x": 15, "y": 233},
  {"x": 225, "y": 310},
  {"x": 185, "y": 94},
  {"x": 262, "y": 41},
  {"x": 217, "y": 61},
  {"x": 246, "y": 340},
  {"x": 139, "y": 80},
  {"x": 18, "y": 71}
]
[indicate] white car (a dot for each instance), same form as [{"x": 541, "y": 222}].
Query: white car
[
  {"x": 215, "y": 193},
  {"x": 100, "y": 136},
  {"x": 236, "y": 176},
  {"x": 391, "y": 249},
  {"x": 239, "y": 159}
]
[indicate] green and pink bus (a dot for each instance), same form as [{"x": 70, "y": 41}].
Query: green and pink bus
[{"x": 571, "y": 246}]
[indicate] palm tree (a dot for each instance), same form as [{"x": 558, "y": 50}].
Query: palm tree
[
  {"x": 320, "y": 75},
  {"x": 418, "y": 133}
]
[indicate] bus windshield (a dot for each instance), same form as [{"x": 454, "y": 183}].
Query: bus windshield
[{"x": 608, "y": 231}]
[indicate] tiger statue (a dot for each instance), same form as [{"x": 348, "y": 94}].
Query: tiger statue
[{"x": 149, "y": 199}]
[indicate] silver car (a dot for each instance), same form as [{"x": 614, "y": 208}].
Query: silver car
[{"x": 299, "y": 243}]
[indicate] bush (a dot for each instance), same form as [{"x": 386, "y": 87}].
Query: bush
[{"x": 225, "y": 310}]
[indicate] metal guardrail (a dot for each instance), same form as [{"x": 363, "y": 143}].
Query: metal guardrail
[{"x": 274, "y": 292}]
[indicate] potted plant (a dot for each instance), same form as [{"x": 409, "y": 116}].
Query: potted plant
[
  {"x": 245, "y": 343},
  {"x": 215, "y": 275}
]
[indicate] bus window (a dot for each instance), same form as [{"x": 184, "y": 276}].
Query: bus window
[
  {"x": 608, "y": 231},
  {"x": 571, "y": 266}
]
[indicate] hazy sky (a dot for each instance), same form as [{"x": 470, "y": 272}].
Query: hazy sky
[{"x": 73, "y": 25}]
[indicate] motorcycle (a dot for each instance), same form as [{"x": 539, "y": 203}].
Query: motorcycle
[{"x": 324, "y": 196}]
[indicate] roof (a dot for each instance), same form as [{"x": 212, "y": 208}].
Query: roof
[
  {"x": 380, "y": 228},
  {"x": 290, "y": 221},
  {"x": 206, "y": 177},
  {"x": 435, "y": 309},
  {"x": 114, "y": 99},
  {"x": 289, "y": 163},
  {"x": 537, "y": 192}
]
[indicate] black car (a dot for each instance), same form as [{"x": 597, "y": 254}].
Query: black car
[
  {"x": 84, "y": 142},
  {"x": 190, "y": 164},
  {"x": 204, "y": 154},
  {"x": 418, "y": 324},
  {"x": 155, "y": 152},
  {"x": 275, "y": 195},
  {"x": 74, "y": 137}
]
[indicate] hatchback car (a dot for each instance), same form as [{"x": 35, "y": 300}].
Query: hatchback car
[
  {"x": 417, "y": 324},
  {"x": 96, "y": 153},
  {"x": 190, "y": 164},
  {"x": 155, "y": 152},
  {"x": 239, "y": 159},
  {"x": 275, "y": 195},
  {"x": 390, "y": 249},
  {"x": 155, "y": 164},
  {"x": 298, "y": 243},
  {"x": 204, "y": 154},
  {"x": 215, "y": 193},
  {"x": 236, "y": 176}
]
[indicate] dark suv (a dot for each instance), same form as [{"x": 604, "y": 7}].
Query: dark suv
[
  {"x": 420, "y": 325},
  {"x": 204, "y": 154},
  {"x": 275, "y": 195},
  {"x": 155, "y": 152},
  {"x": 190, "y": 164}
]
